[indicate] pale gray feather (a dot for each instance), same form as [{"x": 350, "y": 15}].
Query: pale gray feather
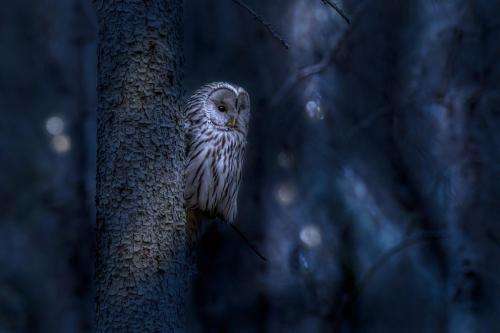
[{"x": 216, "y": 128}]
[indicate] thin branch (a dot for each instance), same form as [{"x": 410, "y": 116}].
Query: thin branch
[
  {"x": 308, "y": 71},
  {"x": 337, "y": 9},
  {"x": 383, "y": 259},
  {"x": 266, "y": 24},
  {"x": 238, "y": 231},
  {"x": 323, "y": 64},
  {"x": 366, "y": 122},
  {"x": 301, "y": 75}
]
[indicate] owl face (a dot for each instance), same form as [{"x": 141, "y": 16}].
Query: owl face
[{"x": 228, "y": 109}]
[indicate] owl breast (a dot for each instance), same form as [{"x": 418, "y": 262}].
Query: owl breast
[{"x": 213, "y": 174}]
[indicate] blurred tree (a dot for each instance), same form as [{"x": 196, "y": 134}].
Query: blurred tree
[
  {"x": 46, "y": 101},
  {"x": 141, "y": 268}
]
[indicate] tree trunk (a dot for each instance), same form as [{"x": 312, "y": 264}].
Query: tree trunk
[{"x": 141, "y": 267}]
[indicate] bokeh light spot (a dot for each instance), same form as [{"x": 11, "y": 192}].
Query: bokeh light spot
[
  {"x": 310, "y": 235},
  {"x": 54, "y": 125},
  {"x": 286, "y": 193},
  {"x": 61, "y": 143},
  {"x": 314, "y": 110}
]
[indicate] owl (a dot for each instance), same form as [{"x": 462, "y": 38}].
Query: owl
[{"x": 217, "y": 117}]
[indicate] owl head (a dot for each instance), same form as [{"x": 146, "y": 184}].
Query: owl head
[{"x": 226, "y": 106}]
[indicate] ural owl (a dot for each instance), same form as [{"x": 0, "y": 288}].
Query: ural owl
[{"x": 217, "y": 123}]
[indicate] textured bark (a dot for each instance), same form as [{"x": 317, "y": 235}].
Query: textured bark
[{"x": 141, "y": 268}]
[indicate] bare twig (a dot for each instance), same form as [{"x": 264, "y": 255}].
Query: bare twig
[
  {"x": 323, "y": 64},
  {"x": 366, "y": 122},
  {"x": 412, "y": 240},
  {"x": 268, "y": 25},
  {"x": 310, "y": 70},
  {"x": 301, "y": 75},
  {"x": 384, "y": 258},
  {"x": 337, "y": 9},
  {"x": 238, "y": 231}
]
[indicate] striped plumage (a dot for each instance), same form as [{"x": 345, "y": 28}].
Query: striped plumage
[{"x": 217, "y": 122}]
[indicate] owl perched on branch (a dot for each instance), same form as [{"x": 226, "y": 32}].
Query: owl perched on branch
[{"x": 217, "y": 122}]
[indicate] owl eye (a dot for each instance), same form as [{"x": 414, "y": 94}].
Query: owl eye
[{"x": 221, "y": 108}]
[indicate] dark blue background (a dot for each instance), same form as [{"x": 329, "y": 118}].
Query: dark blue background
[{"x": 371, "y": 180}]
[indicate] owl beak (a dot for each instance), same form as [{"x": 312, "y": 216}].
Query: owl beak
[{"x": 232, "y": 123}]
